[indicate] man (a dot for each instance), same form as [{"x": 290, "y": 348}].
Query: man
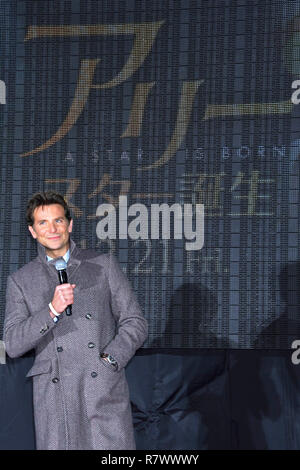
[{"x": 81, "y": 398}]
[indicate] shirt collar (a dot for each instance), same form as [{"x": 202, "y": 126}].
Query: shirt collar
[
  {"x": 66, "y": 256},
  {"x": 74, "y": 261}
]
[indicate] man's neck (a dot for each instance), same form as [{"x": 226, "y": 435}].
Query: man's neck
[{"x": 57, "y": 253}]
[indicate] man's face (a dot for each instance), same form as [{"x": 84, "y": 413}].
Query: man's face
[{"x": 52, "y": 229}]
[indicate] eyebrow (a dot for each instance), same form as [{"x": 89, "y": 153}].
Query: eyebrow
[{"x": 45, "y": 220}]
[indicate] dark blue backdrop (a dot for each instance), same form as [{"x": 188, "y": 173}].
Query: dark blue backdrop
[{"x": 168, "y": 101}]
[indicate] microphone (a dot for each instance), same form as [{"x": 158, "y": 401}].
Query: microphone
[{"x": 61, "y": 266}]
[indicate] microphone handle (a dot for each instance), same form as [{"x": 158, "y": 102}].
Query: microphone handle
[
  {"x": 63, "y": 279},
  {"x": 62, "y": 276}
]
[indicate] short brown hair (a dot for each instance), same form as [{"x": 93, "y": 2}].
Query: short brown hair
[{"x": 45, "y": 198}]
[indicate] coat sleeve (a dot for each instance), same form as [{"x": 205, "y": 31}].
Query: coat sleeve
[
  {"x": 23, "y": 330},
  {"x": 132, "y": 327}
]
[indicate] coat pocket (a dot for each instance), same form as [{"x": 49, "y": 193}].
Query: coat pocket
[{"x": 40, "y": 367}]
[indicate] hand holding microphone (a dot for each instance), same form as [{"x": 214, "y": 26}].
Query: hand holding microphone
[
  {"x": 64, "y": 293},
  {"x": 63, "y": 298}
]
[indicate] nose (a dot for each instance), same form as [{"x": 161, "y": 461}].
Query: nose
[{"x": 52, "y": 227}]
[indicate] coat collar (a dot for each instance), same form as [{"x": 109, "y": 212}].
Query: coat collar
[{"x": 73, "y": 262}]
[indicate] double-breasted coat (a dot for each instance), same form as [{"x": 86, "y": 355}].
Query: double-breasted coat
[{"x": 80, "y": 400}]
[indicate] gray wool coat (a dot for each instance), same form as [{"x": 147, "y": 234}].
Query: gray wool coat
[{"x": 80, "y": 400}]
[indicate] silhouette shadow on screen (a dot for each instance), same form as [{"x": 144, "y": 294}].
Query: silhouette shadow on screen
[
  {"x": 264, "y": 383},
  {"x": 182, "y": 399}
]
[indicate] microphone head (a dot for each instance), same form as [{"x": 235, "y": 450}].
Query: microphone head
[{"x": 60, "y": 264}]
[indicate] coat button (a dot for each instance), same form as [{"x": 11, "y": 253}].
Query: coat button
[
  {"x": 88, "y": 316},
  {"x": 94, "y": 374},
  {"x": 91, "y": 345},
  {"x": 59, "y": 349},
  {"x": 55, "y": 380}
]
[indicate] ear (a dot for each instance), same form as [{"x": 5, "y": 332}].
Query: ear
[
  {"x": 31, "y": 230},
  {"x": 70, "y": 228}
]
